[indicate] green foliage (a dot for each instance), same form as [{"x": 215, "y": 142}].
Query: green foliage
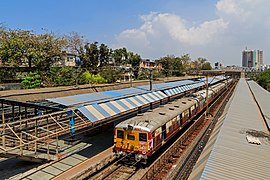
[
  {"x": 104, "y": 54},
  {"x": 90, "y": 57},
  {"x": 33, "y": 80},
  {"x": 120, "y": 56},
  {"x": 7, "y": 74},
  {"x": 62, "y": 76},
  {"x": 263, "y": 79},
  {"x": 21, "y": 47},
  {"x": 88, "y": 78},
  {"x": 178, "y": 67},
  {"x": 206, "y": 66},
  {"x": 134, "y": 60},
  {"x": 111, "y": 75},
  {"x": 157, "y": 74},
  {"x": 26, "y": 48},
  {"x": 143, "y": 75},
  {"x": 173, "y": 66}
]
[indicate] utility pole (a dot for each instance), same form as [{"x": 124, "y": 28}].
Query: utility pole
[
  {"x": 151, "y": 77},
  {"x": 130, "y": 75},
  {"x": 206, "y": 112}
]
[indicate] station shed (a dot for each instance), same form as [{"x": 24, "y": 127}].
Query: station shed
[{"x": 239, "y": 146}]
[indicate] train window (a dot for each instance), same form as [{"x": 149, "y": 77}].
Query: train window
[
  {"x": 120, "y": 134},
  {"x": 142, "y": 137},
  {"x": 130, "y": 137}
]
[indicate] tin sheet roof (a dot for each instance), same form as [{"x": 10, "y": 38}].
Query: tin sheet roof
[
  {"x": 263, "y": 98},
  {"x": 96, "y": 112},
  {"x": 167, "y": 85},
  {"x": 180, "y": 89},
  {"x": 232, "y": 157},
  {"x": 90, "y": 98},
  {"x": 94, "y": 97}
]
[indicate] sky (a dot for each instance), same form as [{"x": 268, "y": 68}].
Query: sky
[{"x": 217, "y": 30}]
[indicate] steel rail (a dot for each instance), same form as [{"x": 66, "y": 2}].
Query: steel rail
[{"x": 173, "y": 149}]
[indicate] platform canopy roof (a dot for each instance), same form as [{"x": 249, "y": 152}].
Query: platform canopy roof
[
  {"x": 167, "y": 85},
  {"x": 99, "y": 111},
  {"x": 90, "y": 98}
]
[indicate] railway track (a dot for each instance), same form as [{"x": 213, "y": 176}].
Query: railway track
[
  {"x": 117, "y": 172},
  {"x": 177, "y": 156},
  {"x": 178, "y": 160}
]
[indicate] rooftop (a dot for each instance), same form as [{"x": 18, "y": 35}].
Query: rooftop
[{"x": 228, "y": 154}]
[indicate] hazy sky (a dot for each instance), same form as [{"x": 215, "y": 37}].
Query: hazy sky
[{"x": 217, "y": 30}]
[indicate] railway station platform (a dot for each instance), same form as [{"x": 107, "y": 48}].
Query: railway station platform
[
  {"x": 262, "y": 98},
  {"x": 85, "y": 157},
  {"x": 239, "y": 146}
]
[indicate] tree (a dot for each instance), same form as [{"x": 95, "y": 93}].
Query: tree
[
  {"x": 75, "y": 43},
  {"x": 13, "y": 46},
  {"x": 90, "y": 58},
  {"x": 120, "y": 56},
  {"x": 48, "y": 46},
  {"x": 206, "y": 66},
  {"x": 167, "y": 64},
  {"x": 177, "y": 67},
  {"x": 134, "y": 60},
  {"x": 104, "y": 54},
  {"x": 186, "y": 60},
  {"x": 17, "y": 47},
  {"x": 263, "y": 79}
]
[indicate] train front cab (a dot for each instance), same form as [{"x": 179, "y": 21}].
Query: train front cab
[{"x": 132, "y": 143}]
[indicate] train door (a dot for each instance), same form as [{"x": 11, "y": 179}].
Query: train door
[
  {"x": 181, "y": 120},
  {"x": 163, "y": 129}
]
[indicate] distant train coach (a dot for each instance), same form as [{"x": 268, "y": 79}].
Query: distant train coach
[{"x": 141, "y": 136}]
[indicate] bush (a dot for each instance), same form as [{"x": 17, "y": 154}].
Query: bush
[
  {"x": 111, "y": 75},
  {"x": 88, "y": 78},
  {"x": 33, "y": 80},
  {"x": 62, "y": 76},
  {"x": 263, "y": 79}
]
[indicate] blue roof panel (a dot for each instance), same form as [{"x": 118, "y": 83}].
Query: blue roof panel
[
  {"x": 95, "y": 97},
  {"x": 166, "y": 85}
]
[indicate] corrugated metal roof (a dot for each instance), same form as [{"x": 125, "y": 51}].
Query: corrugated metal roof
[
  {"x": 82, "y": 99},
  {"x": 167, "y": 85},
  {"x": 263, "y": 98},
  {"x": 96, "y": 112},
  {"x": 95, "y": 97},
  {"x": 232, "y": 157}
]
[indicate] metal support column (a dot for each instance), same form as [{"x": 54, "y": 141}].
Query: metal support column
[
  {"x": 4, "y": 127},
  {"x": 36, "y": 136},
  {"x": 13, "y": 113}
]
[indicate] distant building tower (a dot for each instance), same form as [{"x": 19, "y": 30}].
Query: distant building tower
[
  {"x": 248, "y": 58},
  {"x": 259, "y": 58},
  {"x": 218, "y": 65},
  {"x": 252, "y": 58}
]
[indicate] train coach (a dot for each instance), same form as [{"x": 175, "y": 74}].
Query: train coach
[{"x": 141, "y": 136}]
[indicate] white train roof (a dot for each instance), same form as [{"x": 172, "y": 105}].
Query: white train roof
[{"x": 150, "y": 121}]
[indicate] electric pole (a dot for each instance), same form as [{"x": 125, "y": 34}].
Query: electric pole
[{"x": 151, "y": 77}]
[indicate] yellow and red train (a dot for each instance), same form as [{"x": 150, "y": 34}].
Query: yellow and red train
[{"x": 141, "y": 136}]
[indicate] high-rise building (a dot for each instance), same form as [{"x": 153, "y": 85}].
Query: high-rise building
[
  {"x": 259, "y": 58},
  {"x": 247, "y": 58},
  {"x": 252, "y": 58}
]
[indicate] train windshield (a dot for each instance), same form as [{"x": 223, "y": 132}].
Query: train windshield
[
  {"x": 142, "y": 137},
  {"x": 120, "y": 134}
]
